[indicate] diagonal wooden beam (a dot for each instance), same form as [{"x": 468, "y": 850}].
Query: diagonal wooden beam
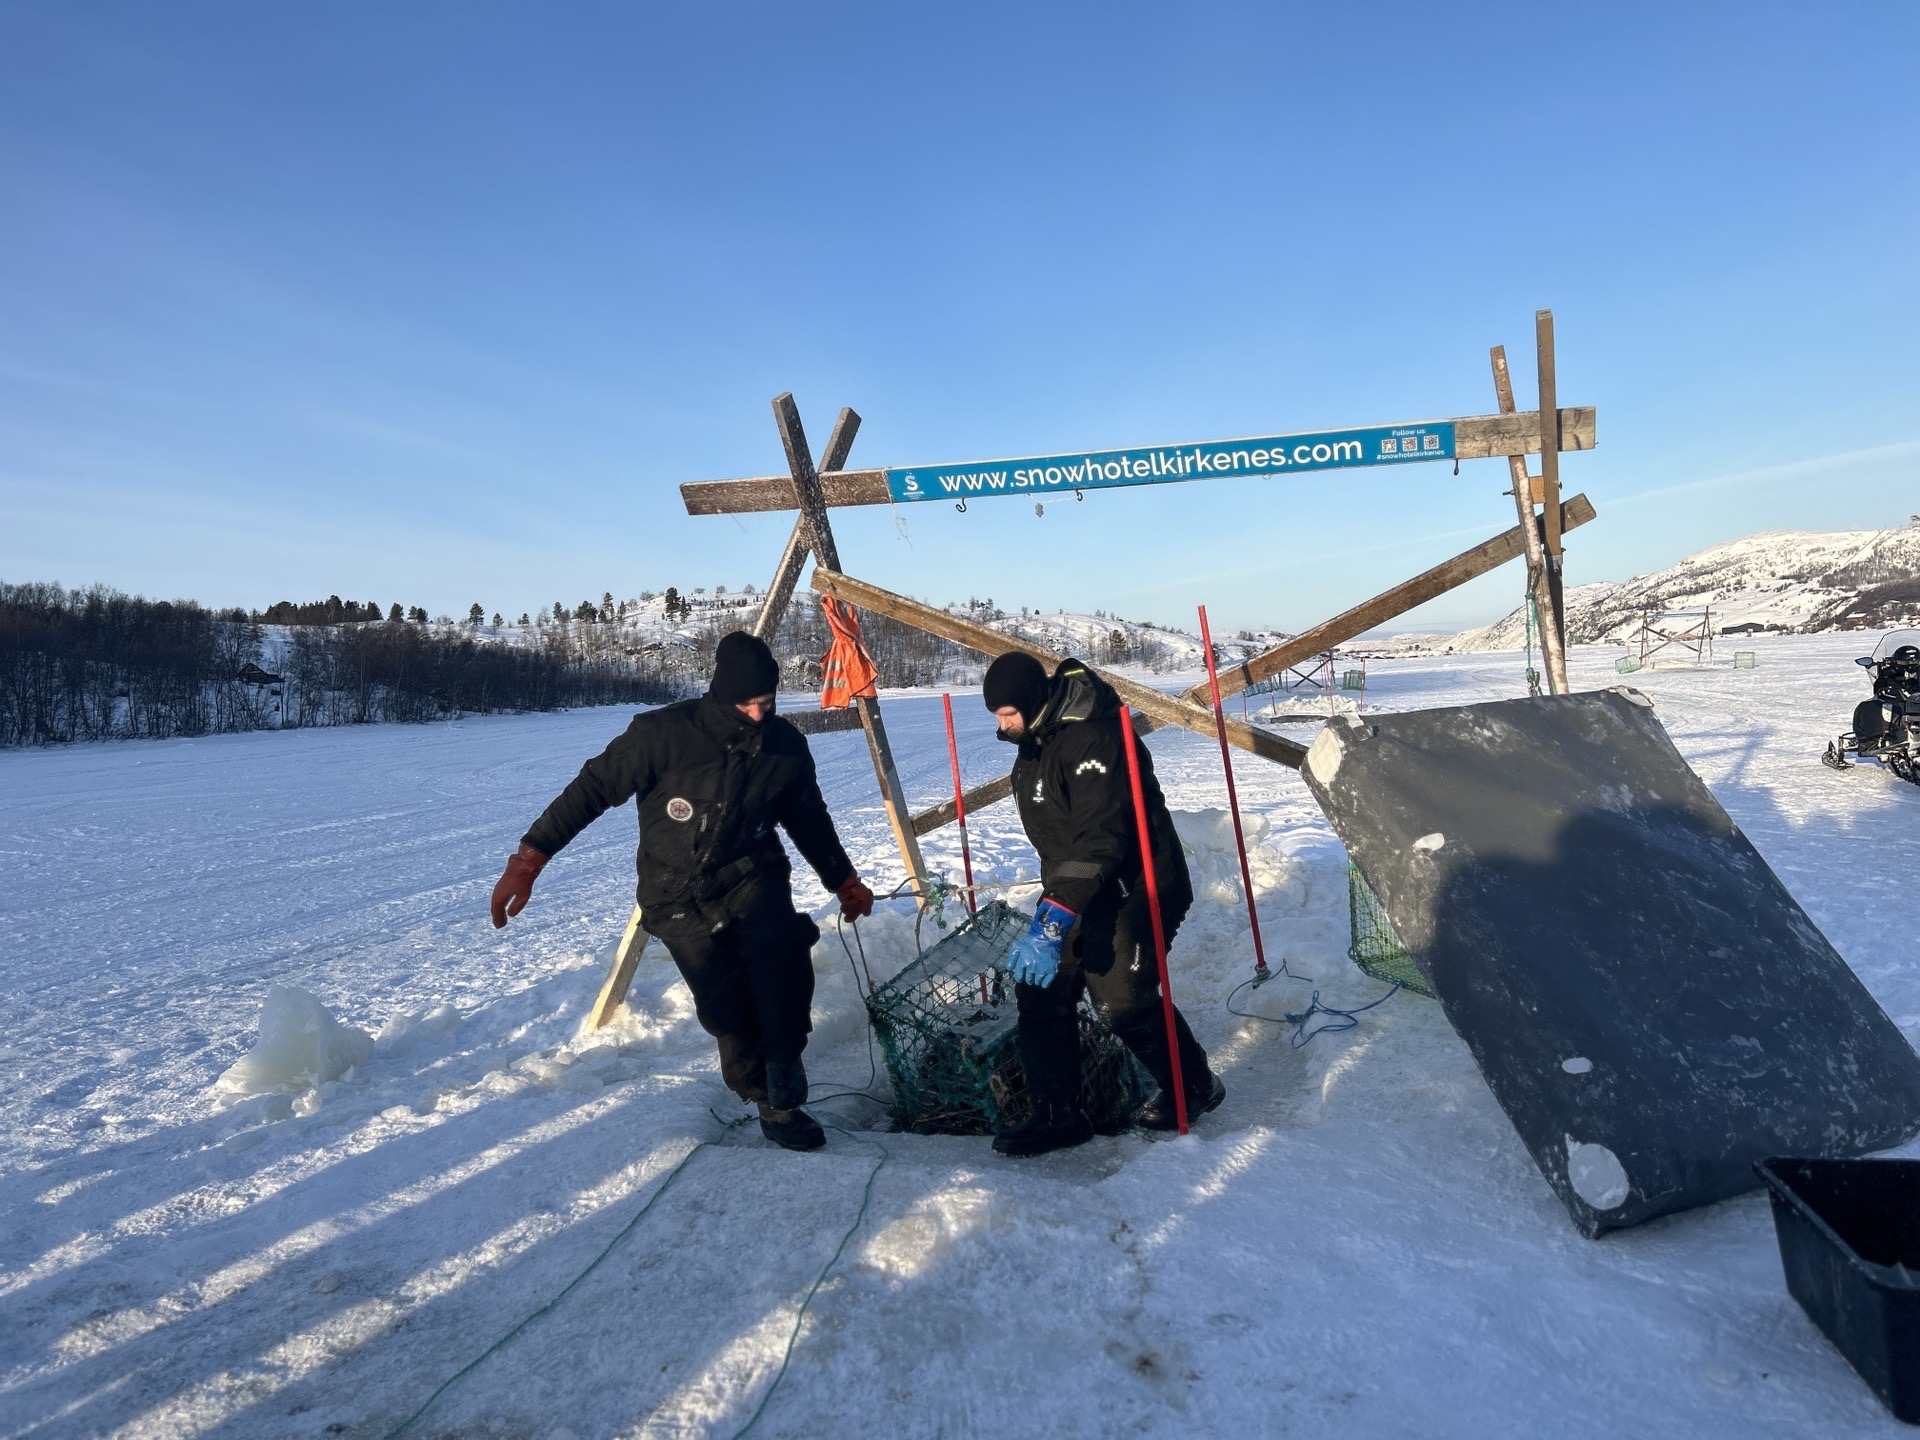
[
  {"x": 794, "y": 559},
  {"x": 1476, "y": 437},
  {"x": 1448, "y": 575},
  {"x": 1428, "y": 585},
  {"x": 813, "y": 510},
  {"x": 1167, "y": 709}
]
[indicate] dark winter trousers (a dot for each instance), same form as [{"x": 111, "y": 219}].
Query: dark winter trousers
[
  {"x": 1109, "y": 955},
  {"x": 752, "y": 980}
]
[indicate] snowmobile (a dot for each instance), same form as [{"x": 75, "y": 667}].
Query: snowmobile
[{"x": 1887, "y": 727}]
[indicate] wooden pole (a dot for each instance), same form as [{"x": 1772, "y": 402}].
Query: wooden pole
[
  {"x": 1167, "y": 709},
  {"x": 813, "y": 509},
  {"x": 1553, "y": 650},
  {"x": 1550, "y": 443},
  {"x": 626, "y": 960},
  {"x": 787, "y": 574},
  {"x": 1549, "y": 429},
  {"x": 1467, "y": 565}
]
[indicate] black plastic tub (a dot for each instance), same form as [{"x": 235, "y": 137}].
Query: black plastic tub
[{"x": 1849, "y": 1235}]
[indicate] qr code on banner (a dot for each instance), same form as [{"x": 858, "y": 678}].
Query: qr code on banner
[
  {"x": 1429, "y": 442},
  {"x": 1389, "y": 446}
]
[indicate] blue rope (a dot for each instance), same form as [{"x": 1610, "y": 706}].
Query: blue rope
[
  {"x": 866, "y": 1203},
  {"x": 551, "y": 1305},
  {"x": 1341, "y": 1019},
  {"x": 793, "y": 1336}
]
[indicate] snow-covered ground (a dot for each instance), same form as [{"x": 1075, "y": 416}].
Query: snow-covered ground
[{"x": 1355, "y": 1244}]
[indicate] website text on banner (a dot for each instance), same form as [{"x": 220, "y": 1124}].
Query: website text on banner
[{"x": 1163, "y": 464}]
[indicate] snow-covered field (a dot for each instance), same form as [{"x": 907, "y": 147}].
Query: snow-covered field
[{"x": 1355, "y": 1244}]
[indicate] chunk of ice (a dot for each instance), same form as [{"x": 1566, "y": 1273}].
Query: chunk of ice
[{"x": 301, "y": 1047}]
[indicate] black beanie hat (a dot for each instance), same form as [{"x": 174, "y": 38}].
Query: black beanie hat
[
  {"x": 743, "y": 667},
  {"x": 1019, "y": 680}
]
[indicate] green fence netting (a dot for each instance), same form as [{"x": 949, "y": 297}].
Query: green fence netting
[
  {"x": 946, "y": 1030},
  {"x": 1374, "y": 947}
]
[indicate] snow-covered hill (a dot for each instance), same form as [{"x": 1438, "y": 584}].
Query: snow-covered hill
[
  {"x": 652, "y": 622},
  {"x": 1796, "y": 582}
]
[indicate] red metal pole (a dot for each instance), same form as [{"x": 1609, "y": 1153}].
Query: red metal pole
[
  {"x": 1153, "y": 905},
  {"x": 959, "y": 802},
  {"x": 1233, "y": 801}
]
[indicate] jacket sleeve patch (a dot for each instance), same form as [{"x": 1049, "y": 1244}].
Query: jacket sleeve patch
[{"x": 1090, "y": 764}]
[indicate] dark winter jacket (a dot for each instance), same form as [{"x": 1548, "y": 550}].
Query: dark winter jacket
[
  {"x": 1076, "y": 801},
  {"x": 711, "y": 786}
]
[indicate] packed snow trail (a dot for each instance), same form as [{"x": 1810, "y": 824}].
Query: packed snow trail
[{"x": 1355, "y": 1243}]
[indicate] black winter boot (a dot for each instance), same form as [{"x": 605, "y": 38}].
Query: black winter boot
[
  {"x": 786, "y": 1084},
  {"x": 1159, "y": 1113},
  {"x": 1054, "y": 1125},
  {"x": 791, "y": 1129}
]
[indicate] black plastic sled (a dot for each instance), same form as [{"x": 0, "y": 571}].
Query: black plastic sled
[{"x": 1649, "y": 1005}]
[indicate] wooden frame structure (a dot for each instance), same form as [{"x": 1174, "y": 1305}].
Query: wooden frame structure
[
  {"x": 814, "y": 489},
  {"x": 1690, "y": 630}
]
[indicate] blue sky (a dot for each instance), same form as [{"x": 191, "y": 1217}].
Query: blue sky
[{"x": 438, "y": 303}]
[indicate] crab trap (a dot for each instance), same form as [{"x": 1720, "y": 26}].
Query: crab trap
[
  {"x": 1374, "y": 947},
  {"x": 947, "y": 1024}
]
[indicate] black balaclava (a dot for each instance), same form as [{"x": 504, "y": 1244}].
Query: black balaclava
[
  {"x": 1019, "y": 680},
  {"x": 743, "y": 667}
]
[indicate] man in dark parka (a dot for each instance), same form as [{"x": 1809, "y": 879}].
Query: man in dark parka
[
  {"x": 1092, "y": 931},
  {"x": 712, "y": 778}
]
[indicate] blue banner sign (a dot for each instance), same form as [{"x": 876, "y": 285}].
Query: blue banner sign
[{"x": 1165, "y": 464}]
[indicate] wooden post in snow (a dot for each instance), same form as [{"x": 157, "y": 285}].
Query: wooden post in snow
[
  {"x": 1552, "y": 642},
  {"x": 1550, "y": 468},
  {"x": 813, "y": 510},
  {"x": 626, "y": 960}
]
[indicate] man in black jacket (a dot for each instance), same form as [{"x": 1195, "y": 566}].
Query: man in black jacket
[
  {"x": 712, "y": 777},
  {"x": 1093, "y": 930}
]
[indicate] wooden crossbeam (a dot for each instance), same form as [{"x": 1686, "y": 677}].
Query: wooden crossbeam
[
  {"x": 1476, "y": 437},
  {"x": 1448, "y": 575},
  {"x": 1166, "y": 709}
]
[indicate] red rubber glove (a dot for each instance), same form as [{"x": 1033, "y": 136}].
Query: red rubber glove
[
  {"x": 856, "y": 900},
  {"x": 515, "y": 888}
]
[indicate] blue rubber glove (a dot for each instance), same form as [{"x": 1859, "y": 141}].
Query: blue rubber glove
[{"x": 1035, "y": 956}]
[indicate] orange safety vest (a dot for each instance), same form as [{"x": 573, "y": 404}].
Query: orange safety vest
[{"x": 848, "y": 670}]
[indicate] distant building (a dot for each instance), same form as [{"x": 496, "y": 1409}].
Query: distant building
[{"x": 274, "y": 685}]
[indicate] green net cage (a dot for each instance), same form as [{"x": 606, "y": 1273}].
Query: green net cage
[
  {"x": 946, "y": 1029},
  {"x": 1374, "y": 947}
]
